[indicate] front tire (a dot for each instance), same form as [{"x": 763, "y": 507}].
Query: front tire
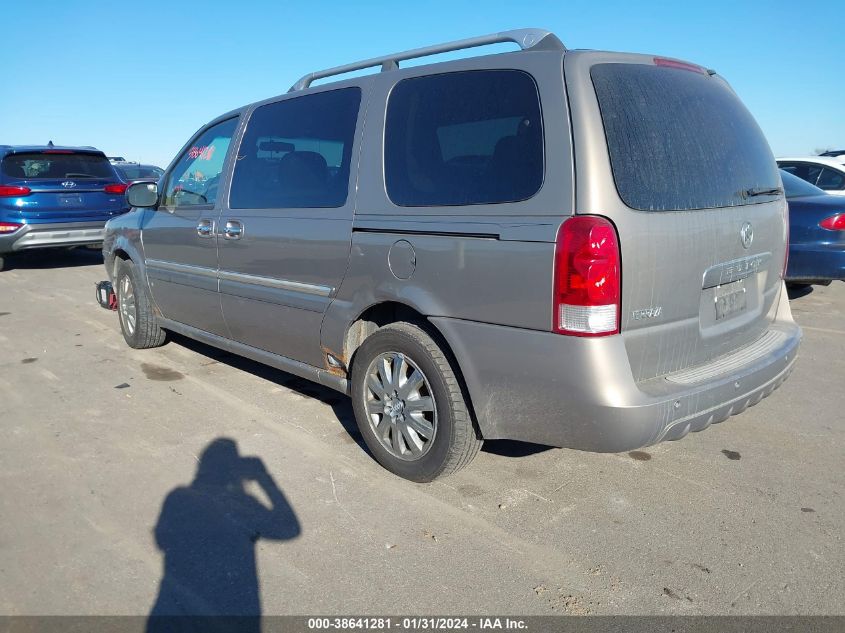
[
  {"x": 137, "y": 321},
  {"x": 409, "y": 405}
]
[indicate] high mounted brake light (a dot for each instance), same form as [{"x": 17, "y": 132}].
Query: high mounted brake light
[
  {"x": 587, "y": 278},
  {"x": 58, "y": 151},
  {"x": 674, "y": 63}
]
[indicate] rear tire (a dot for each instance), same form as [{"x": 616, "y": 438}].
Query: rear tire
[
  {"x": 2, "y": 263},
  {"x": 409, "y": 405},
  {"x": 138, "y": 323}
]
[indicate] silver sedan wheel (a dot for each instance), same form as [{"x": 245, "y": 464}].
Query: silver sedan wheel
[
  {"x": 126, "y": 304},
  {"x": 400, "y": 406}
]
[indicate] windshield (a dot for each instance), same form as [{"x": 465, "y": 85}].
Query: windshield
[
  {"x": 51, "y": 166},
  {"x": 681, "y": 140},
  {"x": 795, "y": 187}
]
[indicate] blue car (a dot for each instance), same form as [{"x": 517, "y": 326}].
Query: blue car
[
  {"x": 56, "y": 196},
  {"x": 816, "y": 233}
]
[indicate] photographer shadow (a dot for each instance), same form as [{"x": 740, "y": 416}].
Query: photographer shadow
[{"x": 208, "y": 533}]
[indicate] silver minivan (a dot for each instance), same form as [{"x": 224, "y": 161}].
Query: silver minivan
[{"x": 574, "y": 248}]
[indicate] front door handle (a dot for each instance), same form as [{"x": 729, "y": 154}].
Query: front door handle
[
  {"x": 205, "y": 228},
  {"x": 233, "y": 230}
]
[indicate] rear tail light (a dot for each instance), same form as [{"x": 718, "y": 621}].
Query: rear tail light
[
  {"x": 834, "y": 222},
  {"x": 12, "y": 191},
  {"x": 9, "y": 227},
  {"x": 587, "y": 278},
  {"x": 118, "y": 188}
]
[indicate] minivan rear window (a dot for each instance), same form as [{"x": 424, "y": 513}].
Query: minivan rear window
[
  {"x": 37, "y": 165},
  {"x": 463, "y": 138},
  {"x": 680, "y": 139}
]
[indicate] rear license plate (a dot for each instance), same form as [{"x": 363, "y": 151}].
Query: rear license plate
[
  {"x": 70, "y": 201},
  {"x": 730, "y": 299}
]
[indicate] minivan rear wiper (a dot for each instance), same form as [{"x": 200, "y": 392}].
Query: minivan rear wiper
[{"x": 761, "y": 191}]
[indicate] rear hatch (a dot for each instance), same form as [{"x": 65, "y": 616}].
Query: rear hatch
[
  {"x": 667, "y": 151},
  {"x": 61, "y": 186}
]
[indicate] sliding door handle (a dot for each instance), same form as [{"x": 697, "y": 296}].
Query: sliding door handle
[{"x": 233, "y": 230}]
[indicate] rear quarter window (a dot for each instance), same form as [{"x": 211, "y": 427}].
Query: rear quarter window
[
  {"x": 680, "y": 140},
  {"x": 464, "y": 138}
]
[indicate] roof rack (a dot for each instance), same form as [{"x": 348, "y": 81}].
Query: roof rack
[{"x": 536, "y": 39}]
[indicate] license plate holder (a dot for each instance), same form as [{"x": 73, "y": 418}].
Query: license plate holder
[{"x": 730, "y": 299}]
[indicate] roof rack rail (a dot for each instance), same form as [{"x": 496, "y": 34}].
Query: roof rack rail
[{"x": 536, "y": 39}]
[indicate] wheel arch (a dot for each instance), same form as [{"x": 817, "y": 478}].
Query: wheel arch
[{"x": 379, "y": 315}]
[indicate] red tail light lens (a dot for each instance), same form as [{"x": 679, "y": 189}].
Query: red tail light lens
[
  {"x": 587, "y": 285},
  {"x": 9, "y": 227},
  {"x": 834, "y": 222},
  {"x": 118, "y": 188},
  {"x": 10, "y": 191}
]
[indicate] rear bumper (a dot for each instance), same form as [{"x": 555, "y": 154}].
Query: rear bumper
[
  {"x": 812, "y": 262},
  {"x": 47, "y": 235},
  {"x": 580, "y": 392}
]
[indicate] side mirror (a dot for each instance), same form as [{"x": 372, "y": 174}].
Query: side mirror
[{"x": 142, "y": 194}]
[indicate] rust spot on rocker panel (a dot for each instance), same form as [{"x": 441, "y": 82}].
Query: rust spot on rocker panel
[{"x": 340, "y": 371}]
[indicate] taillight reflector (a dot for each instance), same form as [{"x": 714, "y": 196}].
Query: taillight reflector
[
  {"x": 834, "y": 222},
  {"x": 119, "y": 188},
  {"x": 13, "y": 191},
  {"x": 587, "y": 278},
  {"x": 9, "y": 227},
  {"x": 786, "y": 240}
]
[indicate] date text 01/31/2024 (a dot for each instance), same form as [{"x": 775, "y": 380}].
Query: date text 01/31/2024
[{"x": 414, "y": 623}]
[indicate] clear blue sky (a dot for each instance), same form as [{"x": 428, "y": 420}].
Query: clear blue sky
[{"x": 138, "y": 78}]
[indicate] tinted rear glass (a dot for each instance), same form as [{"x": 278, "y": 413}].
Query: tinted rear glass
[
  {"x": 795, "y": 187},
  {"x": 49, "y": 166},
  {"x": 680, "y": 139},
  {"x": 464, "y": 138}
]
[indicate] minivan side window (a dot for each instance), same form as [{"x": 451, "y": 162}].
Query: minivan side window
[
  {"x": 296, "y": 153},
  {"x": 195, "y": 179},
  {"x": 463, "y": 138}
]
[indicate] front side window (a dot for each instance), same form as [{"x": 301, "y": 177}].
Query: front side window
[
  {"x": 831, "y": 180},
  {"x": 195, "y": 179},
  {"x": 296, "y": 153},
  {"x": 464, "y": 138}
]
